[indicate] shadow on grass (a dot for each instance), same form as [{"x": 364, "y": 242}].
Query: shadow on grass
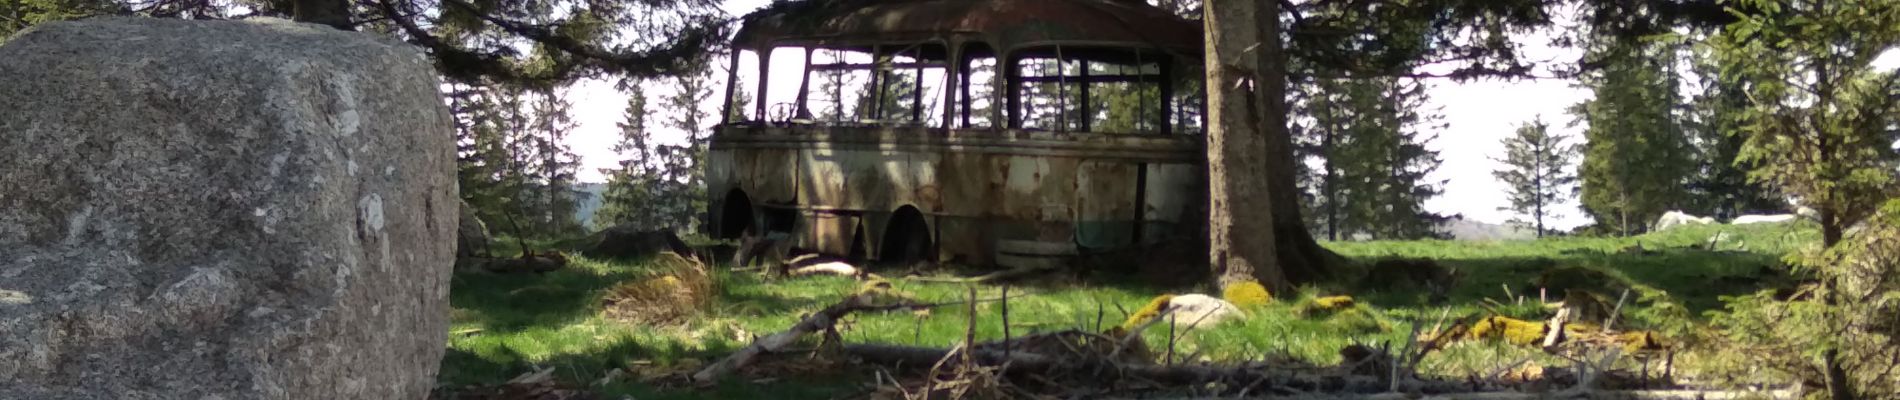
[
  {"x": 462, "y": 368},
  {"x": 1694, "y": 278},
  {"x": 511, "y": 302}
]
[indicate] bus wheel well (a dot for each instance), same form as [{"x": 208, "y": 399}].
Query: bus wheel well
[
  {"x": 735, "y": 216},
  {"x": 906, "y": 238}
]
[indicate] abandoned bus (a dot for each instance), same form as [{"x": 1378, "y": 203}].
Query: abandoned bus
[{"x": 985, "y": 132}]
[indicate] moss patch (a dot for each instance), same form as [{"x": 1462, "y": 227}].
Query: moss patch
[
  {"x": 1511, "y": 330},
  {"x": 1146, "y": 312},
  {"x": 1247, "y": 294}
]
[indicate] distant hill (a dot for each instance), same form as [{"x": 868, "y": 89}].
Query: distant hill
[
  {"x": 591, "y": 195},
  {"x": 1469, "y": 230}
]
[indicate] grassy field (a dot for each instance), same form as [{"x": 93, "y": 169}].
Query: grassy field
[{"x": 504, "y": 325}]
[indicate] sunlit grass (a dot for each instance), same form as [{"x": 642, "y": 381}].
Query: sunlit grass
[{"x": 504, "y": 325}]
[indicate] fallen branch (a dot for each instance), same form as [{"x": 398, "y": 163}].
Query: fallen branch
[{"x": 819, "y": 321}]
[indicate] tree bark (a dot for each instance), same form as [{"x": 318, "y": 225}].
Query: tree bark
[
  {"x": 335, "y": 13},
  {"x": 1245, "y": 95}
]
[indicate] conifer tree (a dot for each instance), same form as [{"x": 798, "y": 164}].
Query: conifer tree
[
  {"x": 895, "y": 104},
  {"x": 482, "y": 155},
  {"x": 1821, "y": 128},
  {"x": 680, "y": 181},
  {"x": 1720, "y": 186},
  {"x": 1536, "y": 173},
  {"x": 553, "y": 167},
  {"x": 1369, "y": 137},
  {"x": 630, "y": 185},
  {"x": 1636, "y": 159}
]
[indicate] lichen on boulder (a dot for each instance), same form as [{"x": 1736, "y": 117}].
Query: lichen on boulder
[{"x": 254, "y": 209}]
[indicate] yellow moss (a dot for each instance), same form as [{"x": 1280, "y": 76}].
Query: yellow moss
[
  {"x": 1639, "y": 341},
  {"x": 1247, "y": 294},
  {"x": 1319, "y": 306},
  {"x": 1146, "y": 312},
  {"x": 1581, "y": 328},
  {"x": 1514, "y": 331},
  {"x": 667, "y": 281},
  {"x": 1333, "y": 302}
]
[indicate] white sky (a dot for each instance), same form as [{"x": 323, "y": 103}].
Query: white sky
[{"x": 1480, "y": 114}]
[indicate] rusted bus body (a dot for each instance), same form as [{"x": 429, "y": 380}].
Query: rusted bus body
[
  {"x": 836, "y": 187},
  {"x": 956, "y": 185}
]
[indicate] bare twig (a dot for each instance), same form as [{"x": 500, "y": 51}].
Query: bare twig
[
  {"x": 1493, "y": 376},
  {"x": 1005, "y": 310},
  {"x": 1405, "y": 356},
  {"x": 1135, "y": 334},
  {"x": 1171, "y": 325},
  {"x": 1618, "y": 310},
  {"x": 820, "y": 321},
  {"x": 1099, "y": 313}
]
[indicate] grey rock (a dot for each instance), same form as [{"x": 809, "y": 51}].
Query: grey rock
[
  {"x": 221, "y": 210},
  {"x": 471, "y": 234}
]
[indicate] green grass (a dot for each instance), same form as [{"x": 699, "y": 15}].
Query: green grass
[{"x": 503, "y": 325}]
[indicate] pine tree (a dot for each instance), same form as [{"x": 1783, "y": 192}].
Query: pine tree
[
  {"x": 1369, "y": 137},
  {"x": 1125, "y": 107},
  {"x": 481, "y": 152},
  {"x": 1324, "y": 135},
  {"x": 1821, "y": 128},
  {"x": 983, "y": 99},
  {"x": 1637, "y": 160},
  {"x": 828, "y": 97},
  {"x": 17, "y": 15},
  {"x": 514, "y": 159},
  {"x": 1536, "y": 173},
  {"x": 1399, "y": 162},
  {"x": 629, "y": 193},
  {"x": 741, "y": 106},
  {"x": 1053, "y": 105},
  {"x": 680, "y": 186},
  {"x": 895, "y": 104},
  {"x": 1720, "y": 186},
  {"x": 554, "y": 167}
]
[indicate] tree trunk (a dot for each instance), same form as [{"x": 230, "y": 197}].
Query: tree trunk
[
  {"x": 335, "y": 13},
  {"x": 1243, "y": 47},
  {"x": 1837, "y": 381}
]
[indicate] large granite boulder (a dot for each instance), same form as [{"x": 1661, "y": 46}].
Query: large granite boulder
[{"x": 221, "y": 210}]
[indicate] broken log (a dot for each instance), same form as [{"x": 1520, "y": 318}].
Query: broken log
[{"x": 816, "y": 322}]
